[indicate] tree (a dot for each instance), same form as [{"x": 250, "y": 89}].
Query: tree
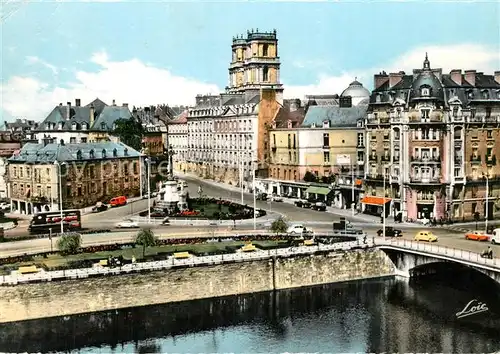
[
  {"x": 310, "y": 177},
  {"x": 145, "y": 238},
  {"x": 279, "y": 226},
  {"x": 130, "y": 131},
  {"x": 69, "y": 243}
]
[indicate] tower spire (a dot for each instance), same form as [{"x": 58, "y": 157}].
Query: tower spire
[{"x": 427, "y": 64}]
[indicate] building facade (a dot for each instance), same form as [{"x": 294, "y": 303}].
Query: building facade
[
  {"x": 89, "y": 173},
  {"x": 178, "y": 141},
  {"x": 430, "y": 140},
  {"x": 9, "y": 144},
  {"x": 228, "y": 134},
  {"x": 77, "y": 124}
]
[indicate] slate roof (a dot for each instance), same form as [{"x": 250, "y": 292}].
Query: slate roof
[
  {"x": 284, "y": 115},
  {"x": 98, "y": 106},
  {"x": 108, "y": 116},
  {"x": 338, "y": 116},
  {"x": 40, "y": 154}
]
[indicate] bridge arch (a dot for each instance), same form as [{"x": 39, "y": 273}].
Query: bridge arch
[{"x": 413, "y": 263}]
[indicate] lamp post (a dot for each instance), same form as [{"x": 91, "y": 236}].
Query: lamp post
[
  {"x": 254, "y": 198},
  {"x": 486, "y": 206},
  {"x": 148, "y": 161},
  {"x": 59, "y": 166},
  {"x": 384, "y": 201}
]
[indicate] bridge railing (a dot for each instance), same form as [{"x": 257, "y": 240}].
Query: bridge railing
[
  {"x": 435, "y": 249},
  {"x": 171, "y": 262}
]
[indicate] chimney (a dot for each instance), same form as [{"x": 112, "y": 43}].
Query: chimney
[
  {"x": 125, "y": 105},
  {"x": 77, "y": 102},
  {"x": 92, "y": 115},
  {"x": 395, "y": 78},
  {"x": 294, "y": 105},
  {"x": 497, "y": 77},
  {"x": 456, "y": 76},
  {"x": 380, "y": 79},
  {"x": 68, "y": 110},
  {"x": 114, "y": 103},
  {"x": 60, "y": 104},
  {"x": 470, "y": 77}
]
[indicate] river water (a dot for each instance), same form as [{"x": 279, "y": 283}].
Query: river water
[{"x": 385, "y": 315}]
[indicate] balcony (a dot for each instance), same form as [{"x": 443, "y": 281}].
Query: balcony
[
  {"x": 421, "y": 159},
  {"x": 373, "y": 158},
  {"x": 491, "y": 160},
  {"x": 475, "y": 159},
  {"x": 425, "y": 179}
]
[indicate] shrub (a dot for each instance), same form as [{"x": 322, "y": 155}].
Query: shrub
[{"x": 69, "y": 243}]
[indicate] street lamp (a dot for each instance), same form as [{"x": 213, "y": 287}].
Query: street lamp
[
  {"x": 59, "y": 166},
  {"x": 148, "y": 161},
  {"x": 486, "y": 175},
  {"x": 254, "y": 198},
  {"x": 384, "y": 202}
]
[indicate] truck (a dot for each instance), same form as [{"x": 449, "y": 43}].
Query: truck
[{"x": 345, "y": 228}]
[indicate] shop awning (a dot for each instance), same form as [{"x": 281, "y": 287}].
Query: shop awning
[
  {"x": 318, "y": 190},
  {"x": 373, "y": 200}
]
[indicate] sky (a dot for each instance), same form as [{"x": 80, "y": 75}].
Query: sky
[{"x": 149, "y": 53}]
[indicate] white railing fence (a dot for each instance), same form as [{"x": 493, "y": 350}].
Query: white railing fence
[{"x": 171, "y": 262}]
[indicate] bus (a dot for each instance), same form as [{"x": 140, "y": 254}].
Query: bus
[{"x": 50, "y": 221}]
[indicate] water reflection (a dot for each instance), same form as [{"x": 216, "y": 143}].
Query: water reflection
[{"x": 369, "y": 316}]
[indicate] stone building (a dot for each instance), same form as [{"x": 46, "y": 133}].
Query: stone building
[
  {"x": 433, "y": 138},
  {"x": 22, "y": 130},
  {"x": 73, "y": 124},
  {"x": 89, "y": 173},
  {"x": 9, "y": 144},
  {"x": 178, "y": 141},
  {"x": 228, "y": 133}
]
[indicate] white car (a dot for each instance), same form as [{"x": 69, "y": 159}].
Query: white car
[
  {"x": 4, "y": 205},
  {"x": 276, "y": 198},
  {"x": 495, "y": 237},
  {"x": 296, "y": 229},
  {"x": 127, "y": 224}
]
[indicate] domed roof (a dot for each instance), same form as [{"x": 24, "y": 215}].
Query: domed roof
[{"x": 356, "y": 91}]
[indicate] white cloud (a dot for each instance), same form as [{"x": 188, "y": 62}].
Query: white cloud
[
  {"x": 129, "y": 81},
  {"x": 448, "y": 57},
  {"x": 37, "y": 60},
  {"x": 139, "y": 84}
]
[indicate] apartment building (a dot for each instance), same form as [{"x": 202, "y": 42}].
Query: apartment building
[
  {"x": 88, "y": 173},
  {"x": 430, "y": 141}
]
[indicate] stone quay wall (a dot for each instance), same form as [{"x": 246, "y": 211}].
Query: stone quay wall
[{"x": 64, "y": 298}]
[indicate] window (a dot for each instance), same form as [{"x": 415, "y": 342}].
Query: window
[
  {"x": 326, "y": 140},
  {"x": 289, "y": 141},
  {"x": 396, "y": 134},
  {"x": 84, "y": 140},
  {"x": 91, "y": 154},
  {"x": 455, "y": 111},
  {"x": 326, "y": 156},
  {"x": 489, "y": 134},
  {"x": 486, "y": 94},
  {"x": 425, "y": 113},
  {"x": 360, "y": 139},
  {"x": 115, "y": 152},
  {"x": 72, "y": 140},
  {"x": 488, "y": 112},
  {"x": 289, "y": 156},
  {"x": 84, "y": 126},
  {"x": 489, "y": 151},
  {"x": 265, "y": 74},
  {"x": 125, "y": 152},
  {"x": 424, "y": 134},
  {"x": 294, "y": 141},
  {"x": 265, "y": 50},
  {"x": 103, "y": 126},
  {"x": 425, "y": 91},
  {"x": 386, "y": 135}
]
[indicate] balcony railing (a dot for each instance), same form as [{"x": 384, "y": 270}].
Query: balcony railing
[
  {"x": 476, "y": 159},
  {"x": 425, "y": 179},
  {"x": 425, "y": 159}
]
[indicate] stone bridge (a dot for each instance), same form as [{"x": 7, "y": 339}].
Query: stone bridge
[{"x": 411, "y": 257}]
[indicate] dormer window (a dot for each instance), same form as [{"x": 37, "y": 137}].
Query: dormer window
[
  {"x": 60, "y": 125},
  {"x": 103, "y": 126},
  {"x": 289, "y": 124},
  {"x": 115, "y": 152},
  {"x": 73, "y": 126},
  {"x": 84, "y": 126},
  {"x": 486, "y": 94},
  {"x": 470, "y": 94},
  {"x": 125, "y": 152},
  {"x": 425, "y": 91},
  {"x": 326, "y": 124},
  {"x": 92, "y": 154},
  {"x": 79, "y": 155},
  {"x": 103, "y": 153},
  {"x": 498, "y": 93},
  {"x": 313, "y": 125},
  {"x": 378, "y": 98}
]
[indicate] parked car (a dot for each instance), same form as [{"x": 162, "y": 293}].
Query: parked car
[
  {"x": 276, "y": 198},
  {"x": 127, "y": 224},
  {"x": 303, "y": 203},
  {"x": 297, "y": 229},
  {"x": 4, "y": 206},
  {"x": 99, "y": 207},
  {"x": 261, "y": 196},
  {"x": 495, "y": 237},
  {"x": 118, "y": 201},
  {"x": 320, "y": 206},
  {"x": 390, "y": 232},
  {"x": 477, "y": 236},
  {"x": 425, "y": 236}
]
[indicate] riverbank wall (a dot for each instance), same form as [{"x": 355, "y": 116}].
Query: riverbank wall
[{"x": 65, "y": 298}]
